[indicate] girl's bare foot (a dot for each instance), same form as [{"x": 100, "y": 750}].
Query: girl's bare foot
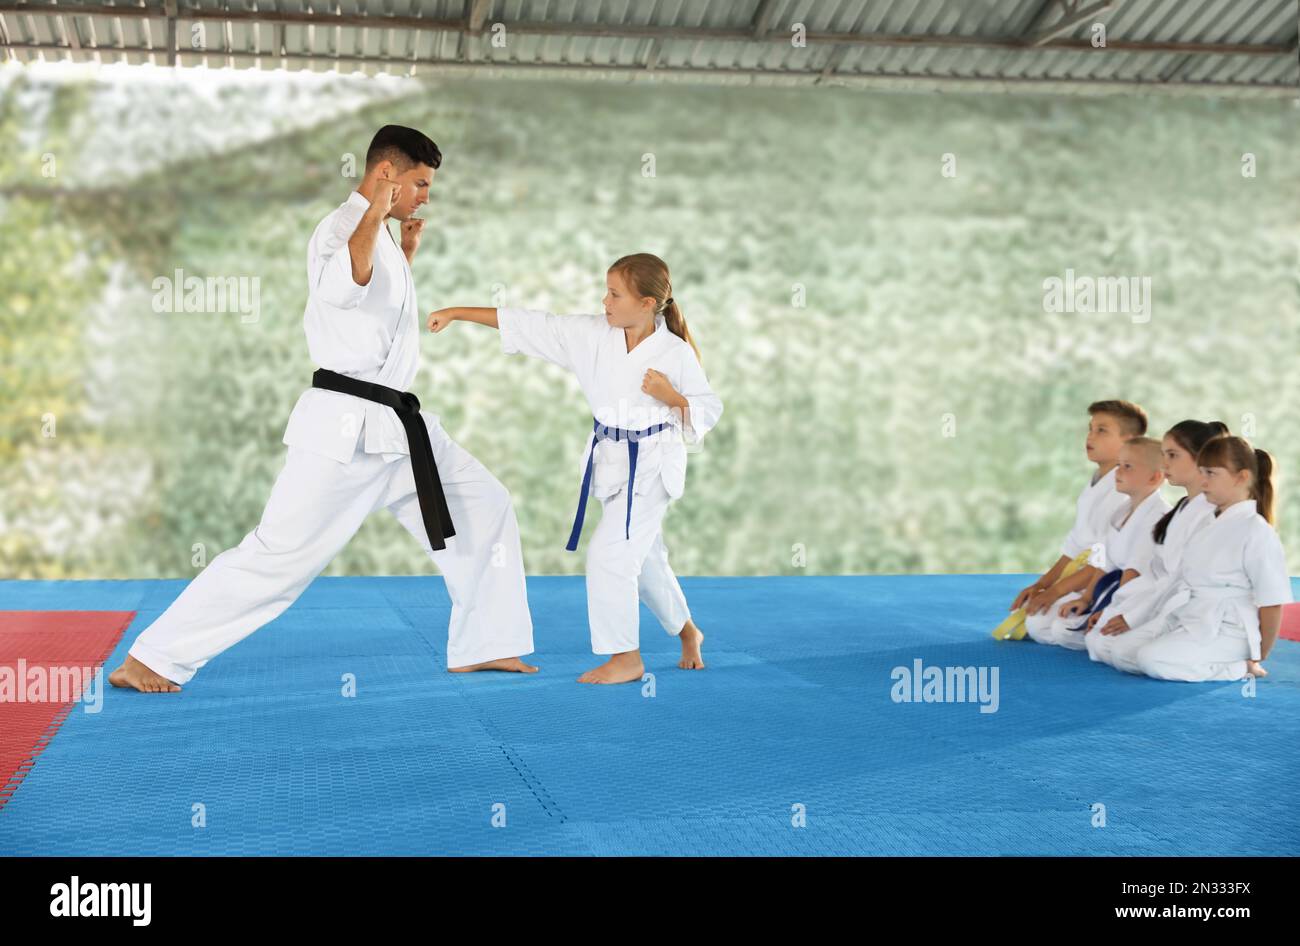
[
  {"x": 136, "y": 675},
  {"x": 692, "y": 638},
  {"x": 620, "y": 668},
  {"x": 511, "y": 664}
]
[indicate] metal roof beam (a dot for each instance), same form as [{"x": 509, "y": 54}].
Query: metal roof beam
[
  {"x": 630, "y": 31},
  {"x": 478, "y": 12},
  {"x": 832, "y": 63},
  {"x": 472, "y": 28},
  {"x": 70, "y": 31},
  {"x": 169, "y": 7},
  {"x": 763, "y": 16},
  {"x": 801, "y": 78},
  {"x": 652, "y": 54},
  {"x": 1073, "y": 18}
]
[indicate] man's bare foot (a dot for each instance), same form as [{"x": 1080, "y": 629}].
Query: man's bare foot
[
  {"x": 510, "y": 664},
  {"x": 1255, "y": 668},
  {"x": 620, "y": 668},
  {"x": 692, "y": 638},
  {"x": 137, "y": 676}
]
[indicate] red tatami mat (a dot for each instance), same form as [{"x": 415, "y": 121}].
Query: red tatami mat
[
  {"x": 46, "y": 640},
  {"x": 1290, "y": 622}
]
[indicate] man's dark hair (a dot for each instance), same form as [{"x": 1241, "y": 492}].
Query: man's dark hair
[{"x": 405, "y": 147}]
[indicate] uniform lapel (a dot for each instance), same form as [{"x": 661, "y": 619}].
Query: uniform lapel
[{"x": 649, "y": 346}]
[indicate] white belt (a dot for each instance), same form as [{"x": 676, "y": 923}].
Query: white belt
[{"x": 1229, "y": 594}]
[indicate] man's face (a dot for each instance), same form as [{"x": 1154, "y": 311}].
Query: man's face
[{"x": 415, "y": 188}]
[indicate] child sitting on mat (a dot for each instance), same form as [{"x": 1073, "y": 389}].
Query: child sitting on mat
[
  {"x": 1223, "y": 619},
  {"x": 1112, "y": 639},
  {"x": 1111, "y": 423},
  {"x": 1126, "y": 550}
]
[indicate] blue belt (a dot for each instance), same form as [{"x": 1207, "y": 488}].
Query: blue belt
[
  {"x": 601, "y": 432},
  {"x": 1102, "y": 592}
]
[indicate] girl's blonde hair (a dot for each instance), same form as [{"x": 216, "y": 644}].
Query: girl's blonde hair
[{"x": 647, "y": 275}]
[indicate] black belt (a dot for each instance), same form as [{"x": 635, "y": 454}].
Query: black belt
[{"x": 433, "y": 504}]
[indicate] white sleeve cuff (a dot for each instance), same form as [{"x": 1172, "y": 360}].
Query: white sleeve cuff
[{"x": 508, "y": 327}]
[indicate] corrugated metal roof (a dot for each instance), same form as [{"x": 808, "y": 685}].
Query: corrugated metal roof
[{"x": 1218, "y": 46}]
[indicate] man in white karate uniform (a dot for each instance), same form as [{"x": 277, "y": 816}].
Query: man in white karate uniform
[{"x": 358, "y": 442}]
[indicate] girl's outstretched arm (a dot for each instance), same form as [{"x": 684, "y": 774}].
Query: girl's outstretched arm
[
  {"x": 565, "y": 340},
  {"x": 439, "y": 319}
]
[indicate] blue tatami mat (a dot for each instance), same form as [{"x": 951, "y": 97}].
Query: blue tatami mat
[{"x": 789, "y": 743}]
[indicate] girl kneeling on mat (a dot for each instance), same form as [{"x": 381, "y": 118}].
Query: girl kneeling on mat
[{"x": 1224, "y": 616}]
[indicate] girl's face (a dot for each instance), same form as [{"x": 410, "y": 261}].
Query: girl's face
[
  {"x": 1179, "y": 465},
  {"x": 623, "y": 308},
  {"x": 1222, "y": 487}
]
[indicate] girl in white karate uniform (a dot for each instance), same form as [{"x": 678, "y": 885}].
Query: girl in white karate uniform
[
  {"x": 641, "y": 374},
  {"x": 1112, "y": 639},
  {"x": 1223, "y": 618}
]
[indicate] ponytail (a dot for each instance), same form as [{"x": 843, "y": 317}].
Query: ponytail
[
  {"x": 1161, "y": 527},
  {"x": 676, "y": 323},
  {"x": 1262, "y": 486},
  {"x": 647, "y": 275}
]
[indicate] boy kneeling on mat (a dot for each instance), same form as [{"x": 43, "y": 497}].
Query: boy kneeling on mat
[
  {"x": 1111, "y": 424},
  {"x": 1126, "y": 552}
]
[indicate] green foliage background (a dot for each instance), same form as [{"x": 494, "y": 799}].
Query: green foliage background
[{"x": 920, "y": 413}]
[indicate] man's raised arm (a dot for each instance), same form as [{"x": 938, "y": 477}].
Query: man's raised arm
[{"x": 361, "y": 245}]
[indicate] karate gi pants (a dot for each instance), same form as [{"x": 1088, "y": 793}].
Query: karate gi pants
[
  {"x": 1121, "y": 650},
  {"x": 1050, "y": 628},
  {"x": 1178, "y": 655},
  {"x": 622, "y": 571},
  {"x": 316, "y": 505}
]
